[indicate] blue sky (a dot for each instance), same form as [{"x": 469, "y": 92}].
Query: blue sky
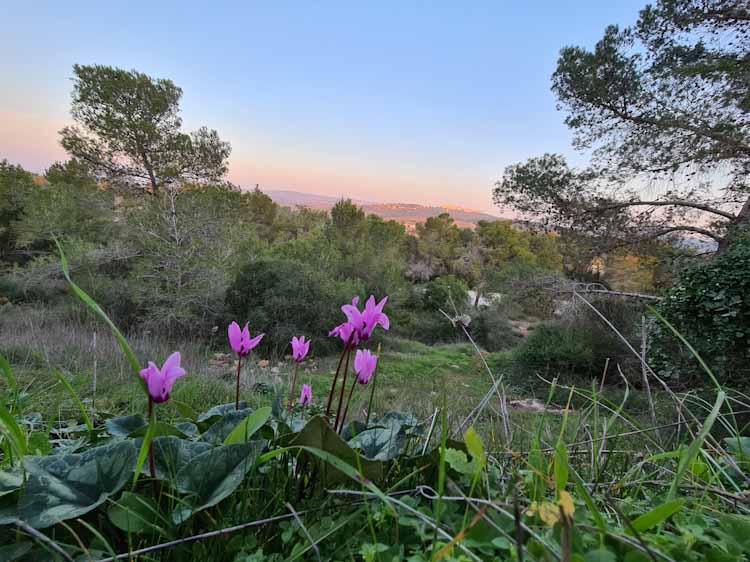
[{"x": 387, "y": 101}]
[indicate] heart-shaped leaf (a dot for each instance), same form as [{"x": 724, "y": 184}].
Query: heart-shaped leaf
[
  {"x": 172, "y": 454},
  {"x": 213, "y": 475},
  {"x": 125, "y": 425},
  {"x": 62, "y": 487},
  {"x": 220, "y": 411},
  {"x": 221, "y": 428},
  {"x": 247, "y": 428},
  {"x": 319, "y": 435},
  {"x": 379, "y": 444},
  {"x": 10, "y": 481}
]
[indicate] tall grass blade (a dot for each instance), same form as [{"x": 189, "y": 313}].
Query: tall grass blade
[
  {"x": 91, "y": 303},
  {"x": 688, "y": 456}
]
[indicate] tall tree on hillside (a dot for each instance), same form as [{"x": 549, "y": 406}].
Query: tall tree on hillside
[
  {"x": 128, "y": 130},
  {"x": 665, "y": 107},
  {"x": 439, "y": 243},
  {"x": 16, "y": 185}
]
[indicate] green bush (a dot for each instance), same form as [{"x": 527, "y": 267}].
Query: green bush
[
  {"x": 491, "y": 329},
  {"x": 710, "y": 306},
  {"x": 570, "y": 349},
  {"x": 444, "y": 292},
  {"x": 286, "y": 298},
  {"x": 426, "y": 326}
]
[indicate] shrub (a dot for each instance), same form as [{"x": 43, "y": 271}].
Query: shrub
[
  {"x": 286, "y": 298},
  {"x": 576, "y": 350},
  {"x": 441, "y": 291},
  {"x": 710, "y": 305},
  {"x": 426, "y": 326},
  {"x": 491, "y": 329}
]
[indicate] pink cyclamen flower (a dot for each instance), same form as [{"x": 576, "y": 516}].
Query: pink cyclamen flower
[
  {"x": 365, "y": 321},
  {"x": 300, "y": 347},
  {"x": 347, "y": 332},
  {"x": 160, "y": 381},
  {"x": 364, "y": 364},
  {"x": 305, "y": 398},
  {"x": 240, "y": 340}
]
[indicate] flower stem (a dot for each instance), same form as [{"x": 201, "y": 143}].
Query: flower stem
[
  {"x": 372, "y": 395},
  {"x": 336, "y": 378},
  {"x": 348, "y": 401},
  {"x": 152, "y": 420},
  {"x": 343, "y": 386},
  {"x": 292, "y": 391},
  {"x": 237, "y": 395}
]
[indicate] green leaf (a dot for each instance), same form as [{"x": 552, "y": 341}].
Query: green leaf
[
  {"x": 220, "y": 411},
  {"x": 63, "y": 487},
  {"x": 561, "y": 466},
  {"x": 134, "y": 513},
  {"x": 8, "y": 372},
  {"x": 589, "y": 501},
  {"x": 475, "y": 446},
  {"x": 459, "y": 462},
  {"x": 38, "y": 444},
  {"x": 386, "y": 439},
  {"x": 319, "y": 435},
  {"x": 212, "y": 476},
  {"x": 223, "y": 427},
  {"x": 695, "y": 446},
  {"x": 145, "y": 446},
  {"x": 13, "y": 432},
  {"x": 125, "y": 425},
  {"x": 10, "y": 481},
  {"x": 657, "y": 515},
  {"x": 172, "y": 454},
  {"x": 739, "y": 446},
  {"x": 91, "y": 303},
  {"x": 379, "y": 444},
  {"x": 246, "y": 429}
]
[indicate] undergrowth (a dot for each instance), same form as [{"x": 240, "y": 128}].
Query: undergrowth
[{"x": 436, "y": 462}]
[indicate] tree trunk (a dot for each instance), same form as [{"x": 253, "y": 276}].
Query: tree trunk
[{"x": 740, "y": 222}]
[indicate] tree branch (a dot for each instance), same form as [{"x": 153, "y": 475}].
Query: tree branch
[
  {"x": 673, "y": 203},
  {"x": 683, "y": 228}
]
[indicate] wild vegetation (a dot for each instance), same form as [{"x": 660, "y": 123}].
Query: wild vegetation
[{"x": 192, "y": 371}]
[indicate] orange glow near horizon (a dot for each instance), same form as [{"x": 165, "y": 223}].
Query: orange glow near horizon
[{"x": 32, "y": 141}]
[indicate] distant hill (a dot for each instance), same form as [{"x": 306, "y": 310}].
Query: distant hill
[{"x": 408, "y": 214}]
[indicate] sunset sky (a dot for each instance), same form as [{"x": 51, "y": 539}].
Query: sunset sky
[{"x": 422, "y": 102}]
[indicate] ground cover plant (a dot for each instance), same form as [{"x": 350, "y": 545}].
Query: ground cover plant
[{"x": 301, "y": 474}]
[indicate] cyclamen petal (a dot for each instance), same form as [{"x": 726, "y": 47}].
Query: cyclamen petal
[
  {"x": 300, "y": 347},
  {"x": 364, "y": 321},
  {"x": 240, "y": 340},
  {"x": 160, "y": 381},
  {"x": 305, "y": 397},
  {"x": 365, "y": 363},
  {"x": 253, "y": 343},
  {"x": 347, "y": 333},
  {"x": 235, "y": 337}
]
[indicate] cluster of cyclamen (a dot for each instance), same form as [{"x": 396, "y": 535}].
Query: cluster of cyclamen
[{"x": 359, "y": 326}]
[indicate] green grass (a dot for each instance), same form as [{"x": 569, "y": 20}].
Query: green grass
[{"x": 416, "y": 379}]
